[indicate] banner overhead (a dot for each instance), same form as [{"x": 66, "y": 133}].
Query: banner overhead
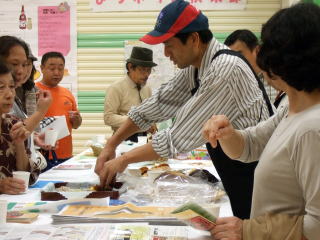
[{"x": 156, "y": 5}]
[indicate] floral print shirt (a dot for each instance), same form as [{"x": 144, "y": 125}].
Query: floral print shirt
[{"x": 8, "y": 152}]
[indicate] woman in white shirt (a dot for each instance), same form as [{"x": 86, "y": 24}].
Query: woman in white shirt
[{"x": 286, "y": 195}]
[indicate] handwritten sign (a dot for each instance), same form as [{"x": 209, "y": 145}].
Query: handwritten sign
[
  {"x": 53, "y": 30},
  {"x": 149, "y": 5}
]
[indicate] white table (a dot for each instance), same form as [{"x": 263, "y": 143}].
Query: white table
[{"x": 33, "y": 195}]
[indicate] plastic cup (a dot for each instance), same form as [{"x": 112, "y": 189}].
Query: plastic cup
[
  {"x": 23, "y": 175},
  {"x": 50, "y": 137},
  {"x": 3, "y": 211}
]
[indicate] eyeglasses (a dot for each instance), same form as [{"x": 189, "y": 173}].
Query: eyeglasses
[{"x": 145, "y": 69}]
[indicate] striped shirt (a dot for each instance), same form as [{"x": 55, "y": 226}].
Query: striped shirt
[{"x": 227, "y": 86}]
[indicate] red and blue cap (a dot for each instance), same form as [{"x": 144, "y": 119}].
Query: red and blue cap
[{"x": 177, "y": 17}]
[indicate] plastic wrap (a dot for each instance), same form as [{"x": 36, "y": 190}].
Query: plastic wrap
[{"x": 170, "y": 188}]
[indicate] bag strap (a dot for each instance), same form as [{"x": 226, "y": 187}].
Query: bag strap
[
  {"x": 196, "y": 82},
  {"x": 264, "y": 93}
]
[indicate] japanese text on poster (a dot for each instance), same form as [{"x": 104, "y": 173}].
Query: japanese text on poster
[{"x": 153, "y": 5}]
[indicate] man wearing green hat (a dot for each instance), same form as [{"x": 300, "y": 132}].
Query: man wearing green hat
[{"x": 130, "y": 91}]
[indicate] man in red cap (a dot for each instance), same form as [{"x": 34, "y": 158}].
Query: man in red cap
[{"x": 210, "y": 82}]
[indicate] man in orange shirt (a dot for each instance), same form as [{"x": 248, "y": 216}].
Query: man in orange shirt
[{"x": 63, "y": 103}]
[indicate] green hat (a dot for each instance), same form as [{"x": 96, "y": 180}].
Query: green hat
[{"x": 142, "y": 57}]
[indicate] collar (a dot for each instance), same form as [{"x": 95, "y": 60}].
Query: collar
[
  {"x": 45, "y": 85},
  {"x": 130, "y": 82},
  {"x": 213, "y": 47}
]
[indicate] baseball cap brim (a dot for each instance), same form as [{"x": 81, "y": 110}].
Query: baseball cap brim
[{"x": 155, "y": 37}]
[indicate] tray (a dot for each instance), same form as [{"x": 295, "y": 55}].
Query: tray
[{"x": 77, "y": 190}]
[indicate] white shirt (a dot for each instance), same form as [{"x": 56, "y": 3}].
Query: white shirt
[{"x": 287, "y": 178}]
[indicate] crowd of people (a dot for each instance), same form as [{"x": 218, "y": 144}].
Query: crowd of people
[
  {"x": 24, "y": 105},
  {"x": 255, "y": 105}
]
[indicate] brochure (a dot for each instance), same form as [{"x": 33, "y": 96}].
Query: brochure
[
  {"x": 55, "y": 206},
  {"x": 122, "y": 213},
  {"x": 21, "y": 217},
  {"x": 195, "y": 216}
]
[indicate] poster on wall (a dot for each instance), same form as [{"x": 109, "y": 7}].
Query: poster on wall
[
  {"x": 46, "y": 25},
  {"x": 156, "y": 5}
]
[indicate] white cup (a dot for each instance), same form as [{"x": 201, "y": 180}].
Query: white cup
[
  {"x": 50, "y": 137},
  {"x": 23, "y": 175},
  {"x": 3, "y": 211},
  {"x": 100, "y": 138},
  {"x": 142, "y": 140}
]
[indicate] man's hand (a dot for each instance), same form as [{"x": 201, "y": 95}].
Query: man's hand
[
  {"x": 229, "y": 228},
  {"x": 10, "y": 185},
  {"x": 19, "y": 133},
  {"x": 216, "y": 128},
  {"x": 110, "y": 170},
  {"x": 107, "y": 154},
  {"x": 75, "y": 119},
  {"x": 153, "y": 129}
]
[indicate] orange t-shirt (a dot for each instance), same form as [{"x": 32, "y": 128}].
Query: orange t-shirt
[{"x": 62, "y": 102}]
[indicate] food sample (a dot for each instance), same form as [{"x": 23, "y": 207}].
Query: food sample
[
  {"x": 144, "y": 171},
  {"x": 162, "y": 166}
]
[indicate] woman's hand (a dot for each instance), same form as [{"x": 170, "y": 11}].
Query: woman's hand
[
  {"x": 229, "y": 228},
  {"x": 10, "y": 185},
  {"x": 217, "y": 128},
  {"x": 19, "y": 133},
  {"x": 44, "y": 101},
  {"x": 39, "y": 140}
]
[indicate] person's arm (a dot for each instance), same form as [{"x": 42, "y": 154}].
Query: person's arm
[
  {"x": 267, "y": 226},
  {"x": 43, "y": 104},
  {"x": 164, "y": 103},
  {"x": 118, "y": 165},
  {"x": 244, "y": 145},
  {"x": 219, "y": 128},
  {"x": 19, "y": 134},
  {"x": 127, "y": 129},
  {"x": 306, "y": 165},
  {"x": 154, "y": 109}
]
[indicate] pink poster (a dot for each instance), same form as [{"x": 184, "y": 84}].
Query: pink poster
[{"x": 54, "y": 30}]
